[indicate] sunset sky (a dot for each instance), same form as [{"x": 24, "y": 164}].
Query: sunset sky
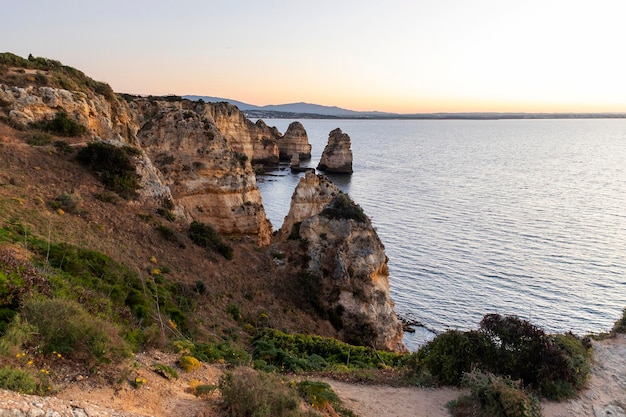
[{"x": 406, "y": 56}]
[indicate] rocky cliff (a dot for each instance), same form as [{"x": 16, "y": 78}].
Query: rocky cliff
[
  {"x": 337, "y": 155},
  {"x": 194, "y": 155},
  {"x": 213, "y": 182},
  {"x": 348, "y": 266},
  {"x": 347, "y": 263},
  {"x": 295, "y": 140}
]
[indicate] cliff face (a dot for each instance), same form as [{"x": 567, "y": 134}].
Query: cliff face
[
  {"x": 186, "y": 158},
  {"x": 295, "y": 140},
  {"x": 337, "y": 155},
  {"x": 212, "y": 180},
  {"x": 349, "y": 267},
  {"x": 256, "y": 141}
]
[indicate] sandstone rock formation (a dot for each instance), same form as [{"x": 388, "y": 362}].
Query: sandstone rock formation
[
  {"x": 349, "y": 268},
  {"x": 311, "y": 195},
  {"x": 194, "y": 155},
  {"x": 295, "y": 140},
  {"x": 212, "y": 180},
  {"x": 337, "y": 155}
]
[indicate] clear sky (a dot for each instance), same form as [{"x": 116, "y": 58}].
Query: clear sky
[{"x": 404, "y": 56}]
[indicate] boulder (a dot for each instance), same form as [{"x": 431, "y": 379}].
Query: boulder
[{"x": 337, "y": 155}]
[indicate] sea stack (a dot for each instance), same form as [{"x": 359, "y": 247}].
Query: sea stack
[
  {"x": 295, "y": 140},
  {"x": 337, "y": 155}
]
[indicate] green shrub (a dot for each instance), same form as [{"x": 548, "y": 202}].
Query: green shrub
[
  {"x": 63, "y": 326},
  {"x": 62, "y": 125},
  {"x": 17, "y": 380},
  {"x": 206, "y": 236},
  {"x": 500, "y": 396},
  {"x": 342, "y": 207},
  {"x": 319, "y": 394},
  {"x": 114, "y": 166},
  {"x": 204, "y": 389},
  {"x": 69, "y": 203},
  {"x": 451, "y": 354},
  {"x": 62, "y": 147},
  {"x": 274, "y": 350},
  {"x": 248, "y": 393},
  {"x": 554, "y": 365}
]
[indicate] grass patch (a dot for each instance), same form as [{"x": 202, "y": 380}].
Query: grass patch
[{"x": 249, "y": 393}]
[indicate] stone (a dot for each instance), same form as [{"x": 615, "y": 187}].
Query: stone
[{"x": 337, "y": 155}]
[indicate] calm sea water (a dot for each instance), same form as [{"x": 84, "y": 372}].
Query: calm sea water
[{"x": 524, "y": 217}]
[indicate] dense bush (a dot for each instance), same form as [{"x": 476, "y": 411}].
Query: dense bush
[
  {"x": 114, "y": 166},
  {"x": 247, "y": 393},
  {"x": 620, "y": 325},
  {"x": 274, "y": 350},
  {"x": 39, "y": 138},
  {"x": 342, "y": 207},
  {"x": 62, "y": 125},
  {"x": 206, "y": 236},
  {"x": 553, "y": 365},
  {"x": 453, "y": 353},
  {"x": 497, "y": 397}
]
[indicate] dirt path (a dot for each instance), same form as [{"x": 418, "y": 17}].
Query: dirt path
[{"x": 378, "y": 401}]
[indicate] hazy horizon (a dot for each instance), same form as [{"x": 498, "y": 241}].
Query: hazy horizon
[{"x": 399, "y": 56}]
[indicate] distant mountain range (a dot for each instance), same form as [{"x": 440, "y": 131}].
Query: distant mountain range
[{"x": 316, "y": 111}]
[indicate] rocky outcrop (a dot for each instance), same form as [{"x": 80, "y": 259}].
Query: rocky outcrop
[
  {"x": 110, "y": 120},
  {"x": 13, "y": 404},
  {"x": 337, "y": 155},
  {"x": 312, "y": 194},
  {"x": 295, "y": 140},
  {"x": 265, "y": 146},
  {"x": 256, "y": 141},
  {"x": 195, "y": 156},
  {"x": 213, "y": 182},
  {"x": 349, "y": 278}
]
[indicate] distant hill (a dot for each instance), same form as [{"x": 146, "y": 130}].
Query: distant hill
[
  {"x": 298, "y": 108},
  {"x": 313, "y": 111}
]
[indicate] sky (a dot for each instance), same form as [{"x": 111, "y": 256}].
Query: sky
[{"x": 405, "y": 56}]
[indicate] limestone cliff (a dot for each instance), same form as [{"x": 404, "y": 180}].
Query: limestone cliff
[
  {"x": 295, "y": 140},
  {"x": 337, "y": 155},
  {"x": 256, "y": 141},
  {"x": 185, "y": 158},
  {"x": 212, "y": 180},
  {"x": 311, "y": 195},
  {"x": 347, "y": 263}
]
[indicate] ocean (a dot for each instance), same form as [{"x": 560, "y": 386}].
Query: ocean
[{"x": 522, "y": 217}]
